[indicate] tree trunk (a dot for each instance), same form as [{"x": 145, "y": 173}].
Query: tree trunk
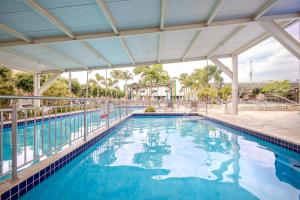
[
  {"x": 98, "y": 88},
  {"x": 150, "y": 94}
]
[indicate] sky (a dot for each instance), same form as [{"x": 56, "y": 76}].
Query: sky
[{"x": 270, "y": 61}]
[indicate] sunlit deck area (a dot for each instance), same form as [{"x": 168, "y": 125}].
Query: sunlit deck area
[{"x": 280, "y": 124}]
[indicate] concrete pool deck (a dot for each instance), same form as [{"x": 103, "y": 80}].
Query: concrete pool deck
[{"x": 280, "y": 124}]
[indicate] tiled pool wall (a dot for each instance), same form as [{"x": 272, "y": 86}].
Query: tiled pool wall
[
  {"x": 23, "y": 187},
  {"x": 26, "y": 185}
]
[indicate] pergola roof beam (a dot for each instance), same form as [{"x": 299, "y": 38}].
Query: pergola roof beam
[
  {"x": 126, "y": 49},
  {"x": 264, "y": 9},
  {"x": 47, "y": 15},
  {"x": 140, "y": 63},
  {"x": 227, "y": 38},
  {"x": 162, "y": 13},
  {"x": 162, "y": 22},
  {"x": 15, "y": 33},
  {"x": 113, "y": 25},
  {"x": 48, "y": 83},
  {"x": 223, "y": 67},
  {"x": 28, "y": 57},
  {"x": 214, "y": 11},
  {"x": 94, "y": 51},
  {"x": 258, "y": 39},
  {"x": 191, "y": 45},
  {"x": 64, "y": 55},
  {"x": 137, "y": 32},
  {"x": 108, "y": 15},
  {"x": 283, "y": 37}
]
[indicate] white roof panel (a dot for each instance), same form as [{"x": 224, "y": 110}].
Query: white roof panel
[{"x": 129, "y": 32}]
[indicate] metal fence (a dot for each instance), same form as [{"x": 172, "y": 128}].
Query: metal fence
[{"x": 34, "y": 128}]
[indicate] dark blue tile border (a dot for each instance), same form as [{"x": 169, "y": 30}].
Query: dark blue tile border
[{"x": 23, "y": 187}]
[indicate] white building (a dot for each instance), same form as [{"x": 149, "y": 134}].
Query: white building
[{"x": 174, "y": 91}]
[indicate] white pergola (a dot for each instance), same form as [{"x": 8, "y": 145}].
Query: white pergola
[{"x": 59, "y": 36}]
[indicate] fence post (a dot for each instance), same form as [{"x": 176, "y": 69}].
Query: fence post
[
  {"x": 107, "y": 111},
  {"x": 14, "y": 163},
  {"x": 84, "y": 121},
  {"x": 120, "y": 111}
]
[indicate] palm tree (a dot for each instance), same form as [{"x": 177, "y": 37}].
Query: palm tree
[
  {"x": 186, "y": 82},
  {"x": 117, "y": 74},
  {"x": 99, "y": 78},
  {"x": 126, "y": 76},
  {"x": 215, "y": 74},
  {"x": 92, "y": 84},
  {"x": 152, "y": 75},
  {"x": 111, "y": 83}
]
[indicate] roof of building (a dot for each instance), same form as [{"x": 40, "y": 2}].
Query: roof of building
[{"x": 69, "y": 35}]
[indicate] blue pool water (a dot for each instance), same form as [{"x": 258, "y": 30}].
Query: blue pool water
[
  {"x": 176, "y": 158},
  {"x": 51, "y": 135}
]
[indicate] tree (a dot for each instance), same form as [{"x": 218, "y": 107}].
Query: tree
[
  {"x": 117, "y": 74},
  {"x": 99, "y": 78},
  {"x": 126, "y": 76},
  {"x": 215, "y": 74},
  {"x": 6, "y": 88},
  {"x": 110, "y": 84},
  {"x": 281, "y": 88},
  {"x": 186, "y": 82},
  {"x": 199, "y": 81},
  {"x": 151, "y": 75},
  {"x": 207, "y": 93},
  {"x": 6, "y": 85},
  {"x": 76, "y": 87},
  {"x": 58, "y": 89},
  {"x": 225, "y": 93},
  {"x": 5, "y": 74},
  {"x": 24, "y": 81}
]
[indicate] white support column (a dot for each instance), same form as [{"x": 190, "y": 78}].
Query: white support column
[
  {"x": 36, "y": 84},
  {"x": 36, "y": 88},
  {"x": 70, "y": 82},
  {"x": 283, "y": 37},
  {"x": 234, "y": 92},
  {"x": 87, "y": 84}
]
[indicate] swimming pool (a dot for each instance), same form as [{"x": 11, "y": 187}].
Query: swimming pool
[{"x": 171, "y": 157}]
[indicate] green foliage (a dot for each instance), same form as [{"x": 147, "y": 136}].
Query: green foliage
[
  {"x": 152, "y": 74},
  {"x": 225, "y": 92},
  {"x": 6, "y": 85},
  {"x": 24, "y": 81},
  {"x": 58, "y": 89},
  {"x": 281, "y": 88},
  {"x": 206, "y": 93},
  {"x": 6, "y": 88},
  {"x": 76, "y": 87},
  {"x": 199, "y": 82},
  {"x": 150, "y": 109},
  {"x": 5, "y": 74}
]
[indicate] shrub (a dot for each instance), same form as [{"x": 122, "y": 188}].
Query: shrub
[{"x": 150, "y": 109}]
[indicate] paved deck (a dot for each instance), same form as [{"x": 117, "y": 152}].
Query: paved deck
[{"x": 280, "y": 124}]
